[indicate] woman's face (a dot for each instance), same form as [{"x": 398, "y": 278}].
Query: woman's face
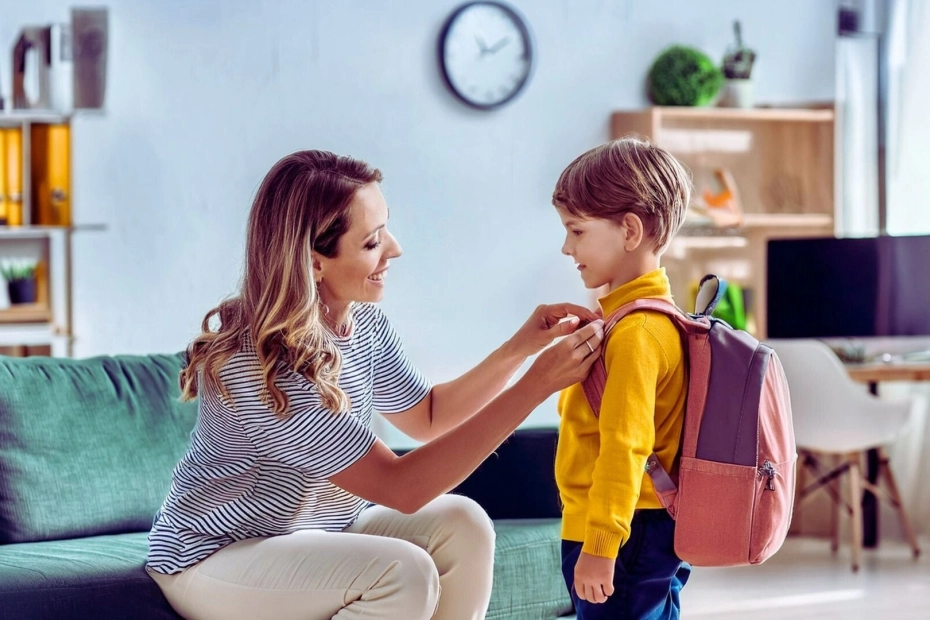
[{"x": 357, "y": 272}]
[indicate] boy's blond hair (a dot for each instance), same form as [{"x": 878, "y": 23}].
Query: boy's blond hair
[{"x": 627, "y": 176}]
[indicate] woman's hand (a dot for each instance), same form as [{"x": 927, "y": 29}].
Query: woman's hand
[
  {"x": 569, "y": 361},
  {"x": 594, "y": 578},
  {"x": 546, "y": 324}
]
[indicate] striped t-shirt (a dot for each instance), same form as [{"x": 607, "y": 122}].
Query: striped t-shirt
[{"x": 249, "y": 473}]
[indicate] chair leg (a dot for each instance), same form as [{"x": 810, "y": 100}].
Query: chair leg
[
  {"x": 885, "y": 472},
  {"x": 855, "y": 498},
  {"x": 811, "y": 465},
  {"x": 799, "y": 484},
  {"x": 836, "y": 507}
]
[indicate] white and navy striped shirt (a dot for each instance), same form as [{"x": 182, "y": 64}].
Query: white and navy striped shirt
[{"x": 251, "y": 473}]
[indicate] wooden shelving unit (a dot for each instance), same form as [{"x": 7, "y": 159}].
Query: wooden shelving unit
[
  {"x": 46, "y": 323},
  {"x": 784, "y": 163},
  {"x": 26, "y": 313}
]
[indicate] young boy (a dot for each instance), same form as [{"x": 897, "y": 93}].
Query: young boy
[{"x": 621, "y": 203}]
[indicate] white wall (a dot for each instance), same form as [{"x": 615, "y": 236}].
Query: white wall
[{"x": 203, "y": 97}]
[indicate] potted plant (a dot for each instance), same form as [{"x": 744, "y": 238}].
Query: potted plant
[
  {"x": 684, "y": 76},
  {"x": 737, "y": 69},
  {"x": 20, "y": 276}
]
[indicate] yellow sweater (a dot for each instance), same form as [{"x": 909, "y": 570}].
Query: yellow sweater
[{"x": 600, "y": 461}]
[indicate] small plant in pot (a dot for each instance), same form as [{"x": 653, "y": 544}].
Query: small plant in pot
[
  {"x": 20, "y": 276},
  {"x": 737, "y": 69},
  {"x": 683, "y": 76}
]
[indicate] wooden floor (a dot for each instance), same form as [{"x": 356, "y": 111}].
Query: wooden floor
[{"x": 804, "y": 581}]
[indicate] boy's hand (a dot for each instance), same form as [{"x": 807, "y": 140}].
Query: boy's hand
[{"x": 594, "y": 578}]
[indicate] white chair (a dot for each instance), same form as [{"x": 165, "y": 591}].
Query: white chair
[{"x": 834, "y": 416}]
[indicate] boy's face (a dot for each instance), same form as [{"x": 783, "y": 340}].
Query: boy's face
[{"x": 599, "y": 248}]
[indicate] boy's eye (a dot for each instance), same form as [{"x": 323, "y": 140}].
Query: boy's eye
[{"x": 577, "y": 233}]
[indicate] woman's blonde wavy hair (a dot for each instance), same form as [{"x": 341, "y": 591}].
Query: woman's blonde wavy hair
[{"x": 301, "y": 206}]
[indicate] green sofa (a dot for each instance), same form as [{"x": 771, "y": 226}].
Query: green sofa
[{"x": 86, "y": 453}]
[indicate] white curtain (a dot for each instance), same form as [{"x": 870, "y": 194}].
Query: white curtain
[
  {"x": 908, "y": 213},
  {"x": 857, "y": 115},
  {"x": 910, "y": 462},
  {"x": 908, "y": 144}
]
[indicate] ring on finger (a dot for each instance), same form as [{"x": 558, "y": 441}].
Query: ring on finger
[{"x": 590, "y": 348}]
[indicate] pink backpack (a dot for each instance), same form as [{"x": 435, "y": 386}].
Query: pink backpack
[{"x": 734, "y": 493}]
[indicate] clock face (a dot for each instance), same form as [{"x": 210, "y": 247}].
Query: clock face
[{"x": 486, "y": 54}]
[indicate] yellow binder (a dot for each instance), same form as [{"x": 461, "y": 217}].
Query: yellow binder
[
  {"x": 14, "y": 175},
  {"x": 52, "y": 174},
  {"x": 4, "y": 209}
]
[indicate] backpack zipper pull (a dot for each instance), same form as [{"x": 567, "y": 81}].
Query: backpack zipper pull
[{"x": 768, "y": 470}]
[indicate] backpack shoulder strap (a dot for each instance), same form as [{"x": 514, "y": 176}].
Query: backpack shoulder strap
[
  {"x": 593, "y": 385},
  {"x": 710, "y": 292}
]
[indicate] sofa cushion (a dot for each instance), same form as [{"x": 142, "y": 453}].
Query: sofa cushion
[
  {"x": 87, "y": 446},
  {"x": 528, "y": 582},
  {"x": 98, "y": 577},
  {"x": 104, "y": 577}
]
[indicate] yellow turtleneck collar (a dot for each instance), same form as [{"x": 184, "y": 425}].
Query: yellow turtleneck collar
[{"x": 652, "y": 284}]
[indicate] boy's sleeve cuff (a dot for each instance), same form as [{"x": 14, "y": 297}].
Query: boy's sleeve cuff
[{"x": 602, "y": 543}]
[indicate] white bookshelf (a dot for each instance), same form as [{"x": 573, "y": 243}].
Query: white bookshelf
[{"x": 47, "y": 322}]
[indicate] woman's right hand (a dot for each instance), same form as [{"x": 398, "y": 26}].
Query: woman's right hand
[{"x": 568, "y": 361}]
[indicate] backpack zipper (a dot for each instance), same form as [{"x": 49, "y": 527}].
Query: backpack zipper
[{"x": 768, "y": 470}]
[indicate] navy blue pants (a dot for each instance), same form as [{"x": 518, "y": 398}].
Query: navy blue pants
[{"x": 648, "y": 576}]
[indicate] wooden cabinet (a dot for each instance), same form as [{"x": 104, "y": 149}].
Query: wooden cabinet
[{"x": 784, "y": 164}]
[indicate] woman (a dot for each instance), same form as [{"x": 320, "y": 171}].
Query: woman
[{"x": 286, "y": 505}]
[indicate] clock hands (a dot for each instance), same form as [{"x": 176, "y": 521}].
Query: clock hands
[
  {"x": 497, "y": 46},
  {"x": 485, "y": 50},
  {"x": 482, "y": 46}
]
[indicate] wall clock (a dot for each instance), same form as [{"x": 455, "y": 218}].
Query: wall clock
[{"x": 486, "y": 53}]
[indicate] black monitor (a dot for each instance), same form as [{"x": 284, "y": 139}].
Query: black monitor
[{"x": 824, "y": 288}]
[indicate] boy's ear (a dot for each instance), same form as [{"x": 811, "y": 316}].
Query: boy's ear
[{"x": 634, "y": 232}]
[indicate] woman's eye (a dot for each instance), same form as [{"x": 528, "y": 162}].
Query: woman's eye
[{"x": 371, "y": 245}]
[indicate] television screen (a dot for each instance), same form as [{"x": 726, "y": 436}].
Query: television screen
[
  {"x": 906, "y": 309},
  {"x": 823, "y": 288}
]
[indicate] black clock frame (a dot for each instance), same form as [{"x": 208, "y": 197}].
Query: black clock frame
[{"x": 529, "y": 46}]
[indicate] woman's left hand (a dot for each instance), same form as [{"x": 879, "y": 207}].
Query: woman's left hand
[{"x": 546, "y": 324}]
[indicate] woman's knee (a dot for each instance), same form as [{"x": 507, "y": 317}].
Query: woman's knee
[
  {"x": 468, "y": 523},
  {"x": 414, "y": 583}
]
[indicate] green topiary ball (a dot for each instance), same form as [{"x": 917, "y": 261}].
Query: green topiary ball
[{"x": 684, "y": 76}]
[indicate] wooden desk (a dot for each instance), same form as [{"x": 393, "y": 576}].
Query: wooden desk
[{"x": 874, "y": 373}]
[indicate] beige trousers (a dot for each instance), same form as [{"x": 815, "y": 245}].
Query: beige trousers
[{"x": 436, "y": 563}]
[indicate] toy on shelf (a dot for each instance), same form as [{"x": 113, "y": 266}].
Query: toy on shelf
[{"x": 721, "y": 208}]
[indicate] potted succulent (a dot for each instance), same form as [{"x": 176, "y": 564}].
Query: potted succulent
[
  {"x": 20, "y": 276},
  {"x": 684, "y": 76},
  {"x": 737, "y": 69}
]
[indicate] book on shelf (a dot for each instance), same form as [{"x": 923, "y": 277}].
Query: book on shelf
[
  {"x": 51, "y": 174},
  {"x": 11, "y": 168},
  {"x": 4, "y": 208}
]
